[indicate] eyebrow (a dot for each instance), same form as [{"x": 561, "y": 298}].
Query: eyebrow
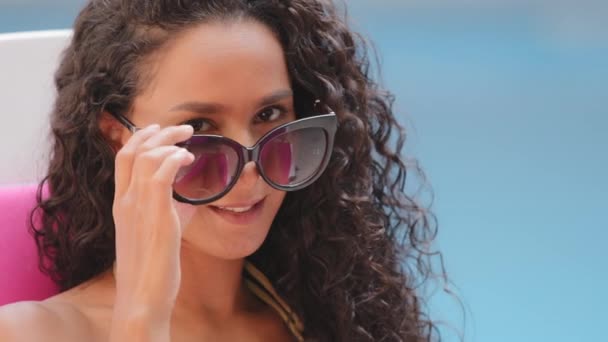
[{"x": 209, "y": 108}]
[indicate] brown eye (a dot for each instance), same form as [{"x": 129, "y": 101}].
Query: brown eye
[
  {"x": 199, "y": 125},
  {"x": 271, "y": 114}
]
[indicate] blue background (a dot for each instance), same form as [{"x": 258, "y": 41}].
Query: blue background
[{"x": 505, "y": 103}]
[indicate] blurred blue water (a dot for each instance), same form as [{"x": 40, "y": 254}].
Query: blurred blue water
[
  {"x": 509, "y": 119},
  {"x": 506, "y": 110}
]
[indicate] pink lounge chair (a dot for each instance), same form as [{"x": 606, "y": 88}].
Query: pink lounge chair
[{"x": 20, "y": 277}]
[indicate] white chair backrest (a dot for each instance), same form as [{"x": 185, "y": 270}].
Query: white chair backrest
[{"x": 27, "y": 64}]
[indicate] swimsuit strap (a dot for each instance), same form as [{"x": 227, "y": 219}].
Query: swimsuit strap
[{"x": 257, "y": 283}]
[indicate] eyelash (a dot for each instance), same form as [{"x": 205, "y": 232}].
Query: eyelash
[
  {"x": 198, "y": 122},
  {"x": 282, "y": 112}
]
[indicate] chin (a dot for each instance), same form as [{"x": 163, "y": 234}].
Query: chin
[
  {"x": 231, "y": 235},
  {"x": 225, "y": 248},
  {"x": 226, "y": 241}
]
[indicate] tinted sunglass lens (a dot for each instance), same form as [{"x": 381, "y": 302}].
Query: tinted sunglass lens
[
  {"x": 294, "y": 157},
  {"x": 211, "y": 171}
]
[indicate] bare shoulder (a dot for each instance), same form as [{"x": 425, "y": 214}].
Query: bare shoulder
[{"x": 42, "y": 321}]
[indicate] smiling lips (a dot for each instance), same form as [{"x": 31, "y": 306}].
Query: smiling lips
[
  {"x": 236, "y": 209},
  {"x": 240, "y": 214},
  {"x": 240, "y": 207}
]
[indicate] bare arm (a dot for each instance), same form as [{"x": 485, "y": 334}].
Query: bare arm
[
  {"x": 148, "y": 234},
  {"x": 147, "y": 248}
]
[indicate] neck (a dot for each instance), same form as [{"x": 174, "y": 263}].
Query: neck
[{"x": 211, "y": 287}]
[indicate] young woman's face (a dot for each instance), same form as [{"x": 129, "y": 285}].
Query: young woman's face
[{"x": 227, "y": 79}]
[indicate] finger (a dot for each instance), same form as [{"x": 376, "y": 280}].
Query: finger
[
  {"x": 125, "y": 157},
  {"x": 141, "y": 197},
  {"x": 171, "y": 165},
  {"x": 167, "y": 136},
  {"x": 165, "y": 175},
  {"x": 160, "y": 190},
  {"x": 146, "y": 165}
]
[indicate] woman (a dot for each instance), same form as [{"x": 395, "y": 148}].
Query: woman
[{"x": 222, "y": 170}]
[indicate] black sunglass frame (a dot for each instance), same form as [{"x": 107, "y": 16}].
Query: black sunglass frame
[{"x": 327, "y": 122}]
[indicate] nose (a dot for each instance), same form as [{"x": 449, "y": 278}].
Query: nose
[
  {"x": 250, "y": 174},
  {"x": 242, "y": 134}
]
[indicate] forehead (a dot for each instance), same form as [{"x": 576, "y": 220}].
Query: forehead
[{"x": 225, "y": 62}]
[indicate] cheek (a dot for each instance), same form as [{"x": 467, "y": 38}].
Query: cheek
[
  {"x": 275, "y": 199},
  {"x": 185, "y": 212},
  {"x": 211, "y": 235}
]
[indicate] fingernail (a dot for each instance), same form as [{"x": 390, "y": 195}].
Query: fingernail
[{"x": 188, "y": 153}]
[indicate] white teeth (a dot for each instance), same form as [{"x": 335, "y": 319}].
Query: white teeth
[{"x": 236, "y": 210}]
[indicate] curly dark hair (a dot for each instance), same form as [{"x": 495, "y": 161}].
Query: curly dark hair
[{"x": 348, "y": 253}]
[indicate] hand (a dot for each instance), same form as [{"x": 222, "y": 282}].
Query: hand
[{"x": 148, "y": 228}]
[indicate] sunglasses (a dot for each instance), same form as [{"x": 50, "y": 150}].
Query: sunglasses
[{"x": 290, "y": 157}]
